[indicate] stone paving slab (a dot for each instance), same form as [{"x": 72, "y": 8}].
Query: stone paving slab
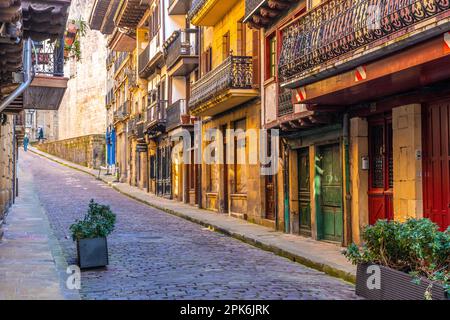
[
  {"x": 323, "y": 256},
  {"x": 31, "y": 263}
]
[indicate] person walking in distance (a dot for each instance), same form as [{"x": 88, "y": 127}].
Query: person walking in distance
[{"x": 26, "y": 141}]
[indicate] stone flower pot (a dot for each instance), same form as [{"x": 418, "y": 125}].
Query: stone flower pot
[
  {"x": 92, "y": 253},
  {"x": 394, "y": 285}
]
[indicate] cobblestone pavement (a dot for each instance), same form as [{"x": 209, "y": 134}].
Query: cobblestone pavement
[{"x": 154, "y": 255}]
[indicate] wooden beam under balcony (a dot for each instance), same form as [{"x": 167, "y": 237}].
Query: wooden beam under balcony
[
  {"x": 45, "y": 93},
  {"x": 262, "y": 13},
  {"x": 121, "y": 42},
  {"x": 130, "y": 13},
  {"x": 225, "y": 101}
]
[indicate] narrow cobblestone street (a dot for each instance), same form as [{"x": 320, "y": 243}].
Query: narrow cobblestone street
[{"x": 154, "y": 255}]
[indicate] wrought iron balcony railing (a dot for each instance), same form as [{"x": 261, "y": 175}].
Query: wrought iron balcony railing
[
  {"x": 48, "y": 58},
  {"x": 177, "y": 114},
  {"x": 143, "y": 58},
  {"x": 181, "y": 44},
  {"x": 110, "y": 59},
  {"x": 337, "y": 27},
  {"x": 251, "y": 6},
  {"x": 285, "y": 105},
  {"x": 195, "y": 7},
  {"x": 123, "y": 111},
  {"x": 236, "y": 72},
  {"x": 140, "y": 133},
  {"x": 132, "y": 78},
  {"x": 151, "y": 58},
  {"x": 131, "y": 126},
  {"x": 156, "y": 116},
  {"x": 120, "y": 58},
  {"x": 110, "y": 98}
]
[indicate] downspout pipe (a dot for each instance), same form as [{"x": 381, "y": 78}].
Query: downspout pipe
[{"x": 28, "y": 77}]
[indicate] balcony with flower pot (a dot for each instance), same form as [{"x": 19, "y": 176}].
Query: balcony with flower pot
[{"x": 177, "y": 115}]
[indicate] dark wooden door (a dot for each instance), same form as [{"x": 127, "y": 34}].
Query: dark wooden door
[
  {"x": 330, "y": 193},
  {"x": 270, "y": 197},
  {"x": 381, "y": 183},
  {"x": 304, "y": 195},
  {"x": 436, "y": 162},
  {"x": 225, "y": 171}
]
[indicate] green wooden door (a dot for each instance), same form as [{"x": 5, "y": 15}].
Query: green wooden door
[
  {"x": 304, "y": 192},
  {"x": 330, "y": 196}
]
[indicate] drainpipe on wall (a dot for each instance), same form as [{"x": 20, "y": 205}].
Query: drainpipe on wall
[
  {"x": 28, "y": 77},
  {"x": 348, "y": 212}
]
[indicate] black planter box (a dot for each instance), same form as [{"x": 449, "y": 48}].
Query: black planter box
[
  {"x": 395, "y": 285},
  {"x": 92, "y": 253}
]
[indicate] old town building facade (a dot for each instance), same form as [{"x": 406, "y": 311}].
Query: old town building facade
[
  {"x": 356, "y": 89},
  {"x": 26, "y": 82}
]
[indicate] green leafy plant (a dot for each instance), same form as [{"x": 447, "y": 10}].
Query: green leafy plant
[
  {"x": 416, "y": 247},
  {"x": 74, "y": 49},
  {"x": 99, "y": 222}
]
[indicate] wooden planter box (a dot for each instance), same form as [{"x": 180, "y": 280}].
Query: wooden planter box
[
  {"x": 92, "y": 253},
  {"x": 395, "y": 285}
]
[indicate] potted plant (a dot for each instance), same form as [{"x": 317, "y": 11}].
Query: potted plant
[
  {"x": 407, "y": 261},
  {"x": 90, "y": 235}
]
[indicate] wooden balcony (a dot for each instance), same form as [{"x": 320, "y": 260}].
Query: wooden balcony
[
  {"x": 102, "y": 15},
  {"x": 156, "y": 117},
  {"x": 227, "y": 86},
  {"x": 209, "y": 12},
  {"x": 177, "y": 115},
  {"x": 180, "y": 51},
  {"x": 150, "y": 59},
  {"x": 337, "y": 36},
  {"x": 49, "y": 84},
  {"x": 262, "y": 13},
  {"x": 140, "y": 130},
  {"x": 179, "y": 7}
]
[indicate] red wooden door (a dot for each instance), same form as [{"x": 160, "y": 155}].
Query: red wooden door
[
  {"x": 381, "y": 182},
  {"x": 436, "y": 162}
]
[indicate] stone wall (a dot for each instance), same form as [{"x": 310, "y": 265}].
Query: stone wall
[
  {"x": 88, "y": 151},
  {"x": 6, "y": 167},
  {"x": 82, "y": 111},
  {"x": 407, "y": 143}
]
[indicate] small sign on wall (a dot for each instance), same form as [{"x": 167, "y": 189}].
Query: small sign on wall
[{"x": 365, "y": 164}]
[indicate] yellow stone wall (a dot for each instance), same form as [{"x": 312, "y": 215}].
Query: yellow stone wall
[
  {"x": 407, "y": 141},
  {"x": 82, "y": 111},
  {"x": 359, "y": 178},
  {"x": 213, "y": 36},
  {"x": 6, "y": 167},
  {"x": 250, "y": 205}
]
